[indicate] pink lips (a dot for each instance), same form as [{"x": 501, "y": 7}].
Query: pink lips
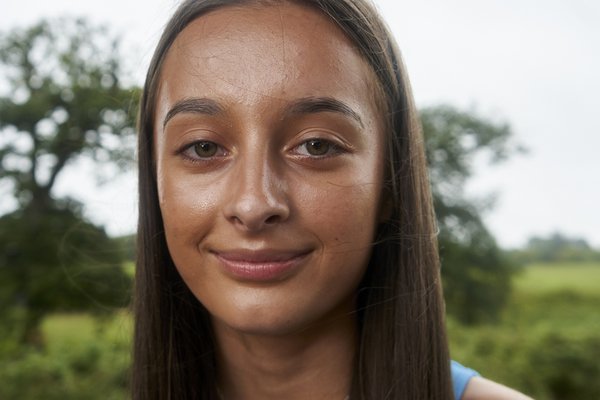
[{"x": 260, "y": 265}]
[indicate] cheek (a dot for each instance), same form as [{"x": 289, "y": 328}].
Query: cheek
[
  {"x": 342, "y": 216},
  {"x": 188, "y": 207},
  {"x": 343, "y": 220}
]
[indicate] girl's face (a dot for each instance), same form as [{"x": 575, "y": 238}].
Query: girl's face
[{"x": 269, "y": 166}]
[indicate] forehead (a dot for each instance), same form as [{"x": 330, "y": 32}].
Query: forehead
[{"x": 275, "y": 53}]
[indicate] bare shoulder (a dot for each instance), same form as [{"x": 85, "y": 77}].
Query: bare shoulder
[{"x": 480, "y": 388}]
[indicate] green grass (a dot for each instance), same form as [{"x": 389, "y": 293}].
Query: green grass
[
  {"x": 65, "y": 329},
  {"x": 129, "y": 268},
  {"x": 555, "y": 297},
  {"x": 582, "y": 278},
  {"x": 547, "y": 337}
]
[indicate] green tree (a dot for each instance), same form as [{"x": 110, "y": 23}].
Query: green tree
[
  {"x": 475, "y": 271},
  {"x": 65, "y": 100},
  {"x": 556, "y": 248}
]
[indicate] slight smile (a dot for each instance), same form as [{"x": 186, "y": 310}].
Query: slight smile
[{"x": 261, "y": 265}]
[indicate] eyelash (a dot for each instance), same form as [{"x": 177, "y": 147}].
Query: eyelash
[
  {"x": 334, "y": 149},
  {"x": 187, "y": 151}
]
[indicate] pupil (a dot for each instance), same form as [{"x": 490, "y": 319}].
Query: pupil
[
  {"x": 205, "y": 149},
  {"x": 317, "y": 147}
]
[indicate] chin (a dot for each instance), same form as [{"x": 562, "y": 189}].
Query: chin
[
  {"x": 275, "y": 316},
  {"x": 259, "y": 323}
]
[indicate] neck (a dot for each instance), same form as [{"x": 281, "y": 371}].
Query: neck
[{"x": 316, "y": 363}]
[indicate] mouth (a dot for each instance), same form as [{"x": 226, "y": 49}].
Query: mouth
[{"x": 261, "y": 265}]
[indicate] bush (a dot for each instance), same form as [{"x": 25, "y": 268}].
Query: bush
[
  {"x": 93, "y": 368},
  {"x": 567, "y": 367},
  {"x": 548, "y": 360}
]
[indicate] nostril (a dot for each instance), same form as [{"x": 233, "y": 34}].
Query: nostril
[{"x": 272, "y": 219}]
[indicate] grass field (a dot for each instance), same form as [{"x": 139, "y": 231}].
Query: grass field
[
  {"x": 548, "y": 278},
  {"x": 64, "y": 330},
  {"x": 561, "y": 297},
  {"x": 547, "y": 343}
]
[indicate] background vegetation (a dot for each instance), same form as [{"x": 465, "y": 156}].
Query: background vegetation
[
  {"x": 527, "y": 317},
  {"x": 546, "y": 343}
]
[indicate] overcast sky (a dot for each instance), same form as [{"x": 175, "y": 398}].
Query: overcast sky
[{"x": 535, "y": 68}]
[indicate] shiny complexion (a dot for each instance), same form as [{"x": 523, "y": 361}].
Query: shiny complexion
[
  {"x": 269, "y": 169},
  {"x": 269, "y": 165}
]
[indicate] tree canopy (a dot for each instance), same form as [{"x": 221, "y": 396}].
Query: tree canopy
[
  {"x": 65, "y": 99},
  {"x": 556, "y": 248},
  {"x": 476, "y": 272}
]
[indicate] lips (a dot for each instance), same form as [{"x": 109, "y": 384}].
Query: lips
[{"x": 261, "y": 265}]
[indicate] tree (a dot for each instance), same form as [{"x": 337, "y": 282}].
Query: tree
[
  {"x": 475, "y": 271},
  {"x": 556, "y": 248},
  {"x": 65, "y": 101}
]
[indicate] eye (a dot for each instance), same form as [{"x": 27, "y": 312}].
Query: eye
[
  {"x": 316, "y": 147},
  {"x": 203, "y": 149}
]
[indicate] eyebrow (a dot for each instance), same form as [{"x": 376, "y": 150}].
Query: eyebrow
[
  {"x": 194, "y": 105},
  {"x": 309, "y": 105},
  {"x": 306, "y": 105}
]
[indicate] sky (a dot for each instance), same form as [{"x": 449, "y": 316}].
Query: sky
[{"x": 536, "y": 68}]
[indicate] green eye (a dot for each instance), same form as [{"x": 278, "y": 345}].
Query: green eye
[
  {"x": 317, "y": 147},
  {"x": 205, "y": 149}
]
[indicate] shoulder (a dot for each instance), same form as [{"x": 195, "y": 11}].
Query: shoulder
[
  {"x": 469, "y": 385},
  {"x": 479, "y": 388},
  {"x": 461, "y": 376}
]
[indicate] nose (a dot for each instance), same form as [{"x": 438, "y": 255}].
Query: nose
[{"x": 258, "y": 198}]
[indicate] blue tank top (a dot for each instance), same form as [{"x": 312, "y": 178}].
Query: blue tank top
[{"x": 460, "y": 377}]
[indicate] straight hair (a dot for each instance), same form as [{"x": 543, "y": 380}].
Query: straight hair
[{"x": 402, "y": 348}]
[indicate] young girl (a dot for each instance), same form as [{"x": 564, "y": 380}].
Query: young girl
[{"x": 287, "y": 241}]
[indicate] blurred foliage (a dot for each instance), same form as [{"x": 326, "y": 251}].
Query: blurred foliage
[
  {"x": 540, "y": 278},
  {"x": 86, "y": 359},
  {"x": 126, "y": 245},
  {"x": 65, "y": 101},
  {"x": 547, "y": 363},
  {"x": 476, "y": 272},
  {"x": 546, "y": 343},
  {"x": 556, "y": 248},
  {"x": 56, "y": 262}
]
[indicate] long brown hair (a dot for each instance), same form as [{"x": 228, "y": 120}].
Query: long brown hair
[{"x": 403, "y": 352}]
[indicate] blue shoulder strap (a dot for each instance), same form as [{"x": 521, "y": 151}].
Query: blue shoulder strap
[{"x": 460, "y": 377}]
